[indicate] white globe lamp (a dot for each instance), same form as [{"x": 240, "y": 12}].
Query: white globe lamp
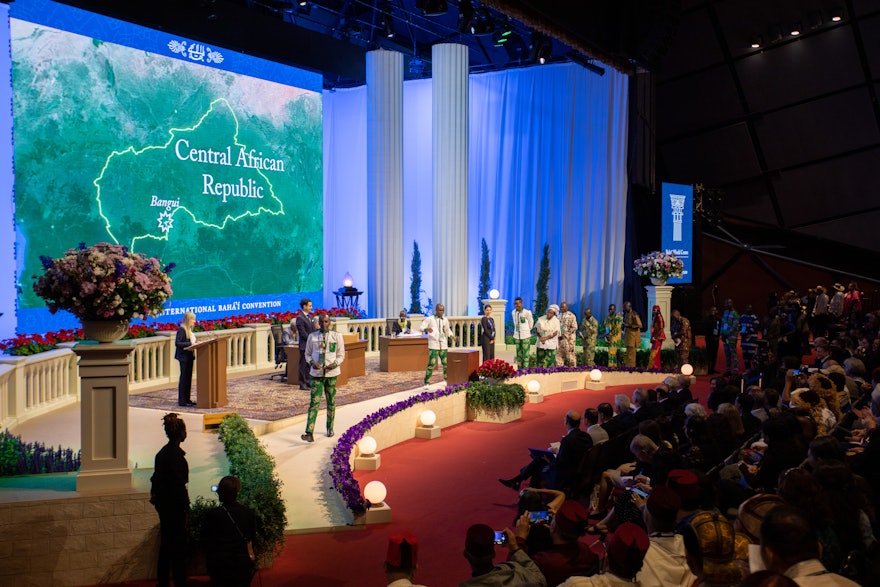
[
  {"x": 687, "y": 369},
  {"x": 494, "y": 294},
  {"x": 595, "y": 376},
  {"x": 428, "y": 418},
  {"x": 375, "y": 492},
  {"x": 367, "y": 445},
  {"x": 533, "y": 386}
]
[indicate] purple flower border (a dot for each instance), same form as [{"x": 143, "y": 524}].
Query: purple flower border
[{"x": 340, "y": 459}]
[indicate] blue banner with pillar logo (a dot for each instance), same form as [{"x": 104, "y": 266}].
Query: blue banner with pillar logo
[{"x": 678, "y": 226}]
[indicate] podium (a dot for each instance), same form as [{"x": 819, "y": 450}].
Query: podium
[
  {"x": 403, "y": 353},
  {"x": 355, "y": 364},
  {"x": 462, "y": 366},
  {"x": 292, "y": 352},
  {"x": 211, "y": 372}
]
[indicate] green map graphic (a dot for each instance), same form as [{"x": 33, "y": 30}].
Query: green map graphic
[{"x": 217, "y": 172}]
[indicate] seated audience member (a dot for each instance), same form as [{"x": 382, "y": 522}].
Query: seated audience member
[
  {"x": 735, "y": 424},
  {"x": 849, "y": 506},
  {"x": 809, "y": 407},
  {"x": 401, "y": 559},
  {"x": 710, "y": 542},
  {"x": 835, "y": 396},
  {"x": 767, "y": 578},
  {"x": 479, "y": 551},
  {"x": 699, "y": 451},
  {"x": 594, "y": 428},
  {"x": 228, "y": 529},
  {"x": 606, "y": 414},
  {"x": 789, "y": 546},
  {"x": 402, "y": 325},
  {"x": 643, "y": 408},
  {"x": 559, "y": 471},
  {"x": 629, "y": 474},
  {"x": 681, "y": 392},
  {"x": 685, "y": 484},
  {"x": 665, "y": 563},
  {"x": 568, "y": 556},
  {"x": 745, "y": 403},
  {"x": 786, "y": 448},
  {"x": 799, "y": 488},
  {"x": 721, "y": 393},
  {"x": 752, "y": 511},
  {"x": 538, "y": 500},
  {"x": 623, "y": 419},
  {"x": 625, "y": 555},
  {"x": 695, "y": 409},
  {"x": 759, "y": 409}
]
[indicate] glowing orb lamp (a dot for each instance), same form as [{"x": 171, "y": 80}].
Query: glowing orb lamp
[
  {"x": 367, "y": 445},
  {"x": 687, "y": 369},
  {"x": 595, "y": 376},
  {"x": 428, "y": 418},
  {"x": 533, "y": 386},
  {"x": 375, "y": 492}
]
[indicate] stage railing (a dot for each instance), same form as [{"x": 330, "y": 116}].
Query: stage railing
[
  {"x": 465, "y": 328},
  {"x": 37, "y": 384}
]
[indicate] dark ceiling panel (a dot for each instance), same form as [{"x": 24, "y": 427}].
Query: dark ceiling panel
[
  {"x": 830, "y": 189},
  {"x": 713, "y": 158},
  {"x": 694, "y": 31},
  {"x": 749, "y": 200},
  {"x": 805, "y": 68},
  {"x": 870, "y": 29},
  {"x": 697, "y": 101},
  {"x": 844, "y": 121},
  {"x": 859, "y": 231},
  {"x": 863, "y": 7}
]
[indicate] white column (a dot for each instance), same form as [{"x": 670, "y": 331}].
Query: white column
[
  {"x": 660, "y": 295},
  {"x": 499, "y": 314},
  {"x": 385, "y": 183},
  {"x": 449, "y": 266}
]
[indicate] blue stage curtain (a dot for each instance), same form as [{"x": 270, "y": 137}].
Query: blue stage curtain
[{"x": 547, "y": 165}]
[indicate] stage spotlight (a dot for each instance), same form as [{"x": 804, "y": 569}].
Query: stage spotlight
[
  {"x": 388, "y": 25},
  {"x": 541, "y": 48},
  {"x": 465, "y": 16},
  {"x": 303, "y": 3},
  {"x": 836, "y": 14},
  {"x": 757, "y": 41},
  {"x": 796, "y": 29},
  {"x": 502, "y": 34},
  {"x": 482, "y": 24},
  {"x": 375, "y": 492},
  {"x": 432, "y": 7}
]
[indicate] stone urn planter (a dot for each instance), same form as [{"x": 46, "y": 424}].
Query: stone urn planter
[{"x": 495, "y": 402}]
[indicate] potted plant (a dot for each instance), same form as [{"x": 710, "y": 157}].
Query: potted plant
[
  {"x": 495, "y": 402},
  {"x": 658, "y": 266},
  {"x": 105, "y": 286}
]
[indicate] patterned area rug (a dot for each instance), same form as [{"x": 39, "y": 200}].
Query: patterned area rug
[{"x": 261, "y": 398}]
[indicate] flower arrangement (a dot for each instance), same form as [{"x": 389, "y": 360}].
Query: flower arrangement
[
  {"x": 496, "y": 369},
  {"x": 104, "y": 282},
  {"x": 659, "y": 265}
]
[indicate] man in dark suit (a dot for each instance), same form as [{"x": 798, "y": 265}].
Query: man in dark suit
[
  {"x": 305, "y": 325},
  {"x": 557, "y": 470},
  {"x": 487, "y": 336},
  {"x": 712, "y": 331},
  {"x": 624, "y": 420}
]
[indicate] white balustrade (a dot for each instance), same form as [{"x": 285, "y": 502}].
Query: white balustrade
[{"x": 38, "y": 384}]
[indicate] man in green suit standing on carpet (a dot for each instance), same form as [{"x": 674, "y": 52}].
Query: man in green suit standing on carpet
[{"x": 325, "y": 351}]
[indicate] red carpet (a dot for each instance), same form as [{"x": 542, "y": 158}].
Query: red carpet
[{"x": 436, "y": 489}]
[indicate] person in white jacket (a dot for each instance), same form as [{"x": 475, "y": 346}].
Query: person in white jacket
[
  {"x": 438, "y": 331},
  {"x": 325, "y": 351}
]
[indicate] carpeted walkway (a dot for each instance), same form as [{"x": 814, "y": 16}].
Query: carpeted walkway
[
  {"x": 261, "y": 398},
  {"x": 436, "y": 489}
]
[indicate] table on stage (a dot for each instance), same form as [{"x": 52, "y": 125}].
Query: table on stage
[
  {"x": 354, "y": 364},
  {"x": 403, "y": 353}
]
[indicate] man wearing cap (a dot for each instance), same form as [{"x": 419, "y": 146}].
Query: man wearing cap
[
  {"x": 568, "y": 325},
  {"x": 835, "y": 306},
  {"x": 710, "y": 543},
  {"x": 625, "y": 555},
  {"x": 547, "y": 330},
  {"x": 401, "y": 560},
  {"x": 790, "y": 546},
  {"x": 523, "y": 322},
  {"x": 568, "y": 556},
  {"x": 632, "y": 329},
  {"x": 666, "y": 560},
  {"x": 518, "y": 570},
  {"x": 589, "y": 336}
]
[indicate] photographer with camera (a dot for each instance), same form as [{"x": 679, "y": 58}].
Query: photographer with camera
[
  {"x": 568, "y": 556},
  {"x": 479, "y": 549}
]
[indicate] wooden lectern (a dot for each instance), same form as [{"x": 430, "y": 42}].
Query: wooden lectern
[
  {"x": 462, "y": 365},
  {"x": 211, "y": 372}
]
